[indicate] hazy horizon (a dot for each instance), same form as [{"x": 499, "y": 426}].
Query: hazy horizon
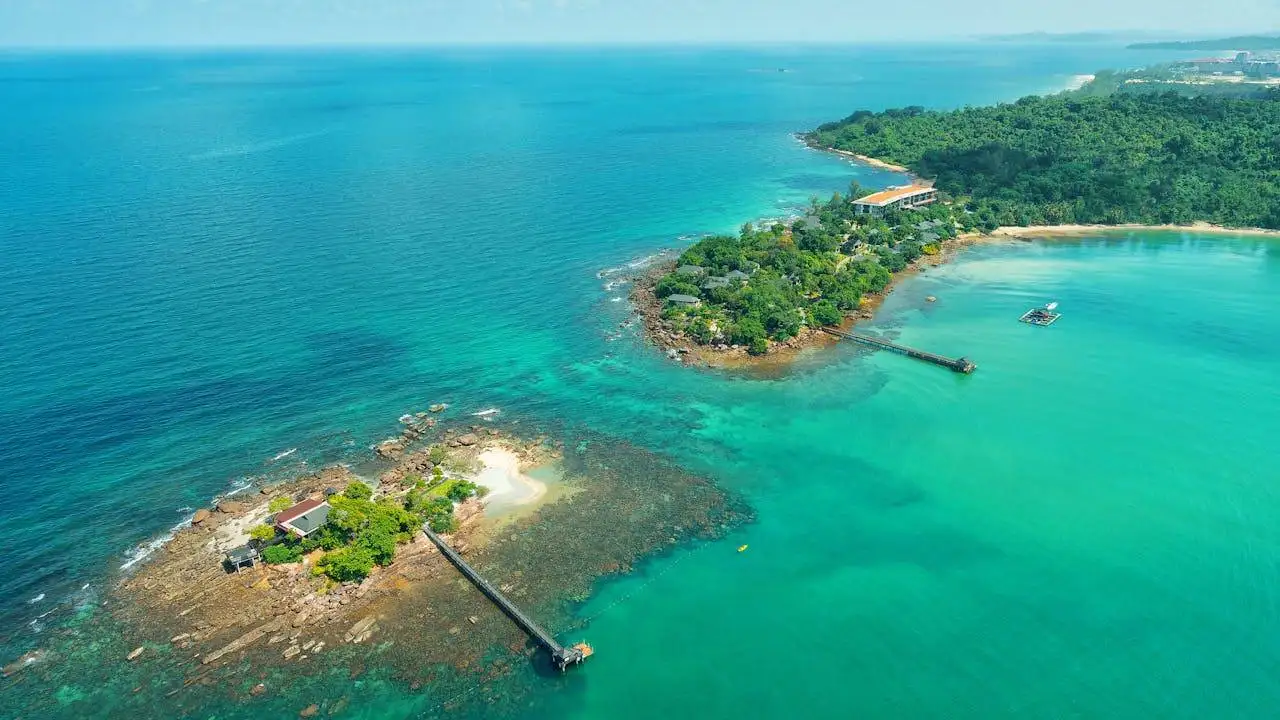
[{"x": 290, "y": 23}]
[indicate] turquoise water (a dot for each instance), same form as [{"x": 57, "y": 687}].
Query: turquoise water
[{"x": 213, "y": 259}]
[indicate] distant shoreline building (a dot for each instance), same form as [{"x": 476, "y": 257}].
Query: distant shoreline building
[
  {"x": 1265, "y": 65},
  {"x": 905, "y": 197}
]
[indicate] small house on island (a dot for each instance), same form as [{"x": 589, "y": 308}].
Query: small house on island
[
  {"x": 714, "y": 283},
  {"x": 906, "y": 197},
  {"x": 691, "y": 271},
  {"x": 737, "y": 276},
  {"x": 684, "y": 300},
  {"x": 241, "y": 557},
  {"x": 304, "y": 518}
]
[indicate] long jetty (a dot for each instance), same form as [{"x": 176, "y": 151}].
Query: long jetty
[
  {"x": 960, "y": 365},
  {"x": 560, "y": 655}
]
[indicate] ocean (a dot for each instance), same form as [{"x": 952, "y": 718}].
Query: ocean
[{"x": 220, "y": 268}]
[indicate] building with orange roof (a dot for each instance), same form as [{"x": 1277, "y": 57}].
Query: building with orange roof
[{"x": 905, "y": 197}]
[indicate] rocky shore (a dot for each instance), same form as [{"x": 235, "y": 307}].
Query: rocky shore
[
  {"x": 186, "y": 630},
  {"x": 214, "y": 614}
]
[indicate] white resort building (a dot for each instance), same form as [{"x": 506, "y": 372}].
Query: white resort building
[{"x": 905, "y": 197}]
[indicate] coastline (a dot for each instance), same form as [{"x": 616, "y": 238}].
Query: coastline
[
  {"x": 781, "y": 355},
  {"x": 555, "y": 523},
  {"x": 1052, "y": 231},
  {"x": 864, "y": 159},
  {"x": 682, "y": 348}
]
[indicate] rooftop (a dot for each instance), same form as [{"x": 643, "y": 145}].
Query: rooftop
[
  {"x": 683, "y": 299},
  {"x": 888, "y": 195},
  {"x": 297, "y": 511},
  {"x": 242, "y": 554}
]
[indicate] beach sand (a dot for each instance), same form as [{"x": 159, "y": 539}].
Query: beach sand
[
  {"x": 873, "y": 162},
  {"x": 1047, "y": 231},
  {"x": 508, "y": 486}
]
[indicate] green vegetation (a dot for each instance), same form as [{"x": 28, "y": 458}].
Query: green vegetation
[
  {"x": 350, "y": 564},
  {"x": 362, "y": 532},
  {"x": 281, "y": 554},
  {"x": 262, "y": 533},
  {"x": 769, "y": 283},
  {"x": 1239, "y": 42},
  {"x": 281, "y": 503},
  {"x": 1147, "y": 158},
  {"x": 358, "y": 491}
]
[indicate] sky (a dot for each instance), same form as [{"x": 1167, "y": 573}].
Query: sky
[{"x": 111, "y": 23}]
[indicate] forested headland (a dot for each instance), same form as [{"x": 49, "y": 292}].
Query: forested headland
[
  {"x": 1134, "y": 157},
  {"x": 769, "y": 284}
]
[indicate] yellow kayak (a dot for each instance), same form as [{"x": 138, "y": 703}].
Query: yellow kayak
[{"x": 742, "y": 548}]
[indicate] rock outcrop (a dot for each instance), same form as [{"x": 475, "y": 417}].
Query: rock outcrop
[{"x": 232, "y": 507}]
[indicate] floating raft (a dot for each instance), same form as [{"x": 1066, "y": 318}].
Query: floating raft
[{"x": 1040, "y": 316}]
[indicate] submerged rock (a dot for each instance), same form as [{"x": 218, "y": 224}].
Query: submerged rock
[
  {"x": 309, "y": 711},
  {"x": 439, "y": 407},
  {"x": 360, "y": 628},
  {"x": 24, "y": 662}
]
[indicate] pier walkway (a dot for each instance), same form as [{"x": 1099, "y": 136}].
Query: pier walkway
[
  {"x": 960, "y": 365},
  {"x": 560, "y": 655}
]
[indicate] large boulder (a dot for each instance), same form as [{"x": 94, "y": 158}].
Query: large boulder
[
  {"x": 390, "y": 448},
  {"x": 200, "y": 516},
  {"x": 468, "y": 439},
  {"x": 230, "y": 507}
]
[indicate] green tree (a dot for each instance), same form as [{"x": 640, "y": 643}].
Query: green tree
[
  {"x": 262, "y": 533},
  {"x": 358, "y": 491},
  {"x": 826, "y": 313},
  {"x": 350, "y": 564},
  {"x": 281, "y": 554},
  {"x": 281, "y": 503},
  {"x": 782, "y": 324},
  {"x": 381, "y": 545},
  {"x": 747, "y": 330},
  {"x": 674, "y": 284}
]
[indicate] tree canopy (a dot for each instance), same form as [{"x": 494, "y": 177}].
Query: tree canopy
[
  {"x": 767, "y": 283},
  {"x": 1146, "y": 158}
]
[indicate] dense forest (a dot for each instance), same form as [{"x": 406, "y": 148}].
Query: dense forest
[
  {"x": 1121, "y": 158},
  {"x": 767, "y": 283}
]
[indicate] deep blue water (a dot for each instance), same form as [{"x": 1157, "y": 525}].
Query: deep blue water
[{"x": 211, "y": 259}]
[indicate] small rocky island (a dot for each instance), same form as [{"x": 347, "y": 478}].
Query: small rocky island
[{"x": 354, "y": 587}]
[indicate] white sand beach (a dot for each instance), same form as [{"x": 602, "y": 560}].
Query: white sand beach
[{"x": 508, "y": 486}]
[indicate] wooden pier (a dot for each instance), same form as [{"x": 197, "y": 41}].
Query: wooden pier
[
  {"x": 960, "y": 365},
  {"x": 562, "y": 657}
]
